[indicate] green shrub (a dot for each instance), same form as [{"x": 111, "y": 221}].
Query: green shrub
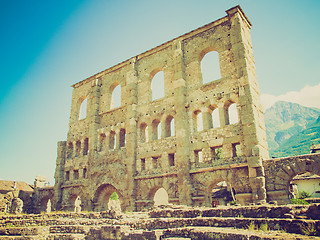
[
  {"x": 299, "y": 201},
  {"x": 114, "y": 196},
  {"x": 309, "y": 229},
  {"x": 252, "y": 226},
  {"x": 10, "y": 225},
  {"x": 303, "y": 195},
  {"x": 264, "y": 227}
]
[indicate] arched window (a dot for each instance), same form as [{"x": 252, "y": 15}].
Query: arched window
[
  {"x": 198, "y": 122},
  {"x": 156, "y": 129},
  {"x": 112, "y": 140},
  {"x": 169, "y": 127},
  {"x": 215, "y": 118},
  {"x": 173, "y": 127},
  {"x": 122, "y": 137},
  {"x": 83, "y": 109},
  {"x": 157, "y": 85},
  {"x": 144, "y": 132},
  {"x": 210, "y": 67},
  {"x": 116, "y": 97},
  {"x": 233, "y": 114},
  {"x": 161, "y": 197}
]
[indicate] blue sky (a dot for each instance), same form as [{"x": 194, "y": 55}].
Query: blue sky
[{"x": 46, "y": 46}]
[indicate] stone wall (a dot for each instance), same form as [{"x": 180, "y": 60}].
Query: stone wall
[
  {"x": 119, "y": 150},
  {"x": 280, "y": 171}
]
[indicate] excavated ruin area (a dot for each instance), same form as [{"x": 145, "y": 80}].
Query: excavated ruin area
[{"x": 170, "y": 222}]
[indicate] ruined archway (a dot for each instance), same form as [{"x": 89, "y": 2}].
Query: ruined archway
[
  {"x": 114, "y": 202},
  {"x": 280, "y": 172},
  {"x": 102, "y": 197},
  {"x": 161, "y": 197},
  {"x": 203, "y": 149}
]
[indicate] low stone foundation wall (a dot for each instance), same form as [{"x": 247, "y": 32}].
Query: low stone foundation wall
[
  {"x": 260, "y": 211},
  {"x": 252, "y": 222}
]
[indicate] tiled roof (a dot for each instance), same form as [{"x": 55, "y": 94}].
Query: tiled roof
[{"x": 8, "y": 186}]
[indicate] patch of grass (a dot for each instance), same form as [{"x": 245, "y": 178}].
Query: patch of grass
[
  {"x": 10, "y": 225},
  {"x": 264, "y": 227},
  {"x": 309, "y": 229},
  {"x": 303, "y": 195},
  {"x": 298, "y": 201},
  {"x": 252, "y": 226}
]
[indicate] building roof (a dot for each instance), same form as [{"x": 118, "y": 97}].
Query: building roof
[
  {"x": 305, "y": 176},
  {"x": 6, "y": 186}
]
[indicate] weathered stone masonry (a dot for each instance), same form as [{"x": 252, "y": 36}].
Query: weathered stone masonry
[{"x": 118, "y": 149}]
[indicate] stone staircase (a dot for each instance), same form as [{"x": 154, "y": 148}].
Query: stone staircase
[{"x": 173, "y": 222}]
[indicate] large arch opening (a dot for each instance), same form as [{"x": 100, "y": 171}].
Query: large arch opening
[
  {"x": 70, "y": 204},
  {"x": 83, "y": 109},
  {"x": 107, "y": 197},
  {"x": 161, "y": 197},
  {"x": 232, "y": 113},
  {"x": 157, "y": 85},
  {"x": 197, "y": 121},
  {"x": 156, "y": 129},
  {"x": 116, "y": 97},
  {"x": 144, "y": 132},
  {"x": 169, "y": 127},
  {"x": 215, "y": 118},
  {"x": 210, "y": 67}
]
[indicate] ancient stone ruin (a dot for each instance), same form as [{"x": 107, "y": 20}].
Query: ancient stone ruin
[
  {"x": 184, "y": 142},
  {"x": 202, "y": 143},
  {"x": 175, "y": 222},
  {"x": 200, "y": 132}
]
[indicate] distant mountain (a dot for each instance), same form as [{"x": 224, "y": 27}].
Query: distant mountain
[{"x": 291, "y": 128}]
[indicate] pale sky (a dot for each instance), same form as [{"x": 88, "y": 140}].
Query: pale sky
[{"x": 47, "y": 46}]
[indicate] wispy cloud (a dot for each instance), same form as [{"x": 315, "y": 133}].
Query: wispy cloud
[{"x": 308, "y": 96}]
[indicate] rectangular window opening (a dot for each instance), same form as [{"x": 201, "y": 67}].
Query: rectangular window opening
[
  {"x": 236, "y": 149},
  {"x": 143, "y": 164},
  {"x": 75, "y": 174},
  {"x": 155, "y": 162},
  {"x": 171, "y": 159},
  {"x": 216, "y": 153},
  {"x": 198, "y": 156}
]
